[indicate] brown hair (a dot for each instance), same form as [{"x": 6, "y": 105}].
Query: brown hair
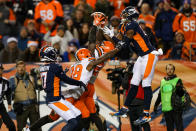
[{"x": 20, "y": 62}]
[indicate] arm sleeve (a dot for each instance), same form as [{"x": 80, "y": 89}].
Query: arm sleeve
[
  {"x": 176, "y": 25},
  {"x": 59, "y": 9},
  {"x": 37, "y": 13},
  {"x": 47, "y": 37},
  {"x": 63, "y": 77}
]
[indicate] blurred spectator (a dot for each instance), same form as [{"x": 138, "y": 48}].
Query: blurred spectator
[
  {"x": 83, "y": 37},
  {"x": 32, "y": 32},
  {"x": 61, "y": 38},
  {"x": 193, "y": 5},
  {"x": 89, "y": 2},
  {"x": 31, "y": 54},
  {"x": 148, "y": 31},
  {"x": 185, "y": 21},
  {"x": 78, "y": 19},
  {"x": 70, "y": 28},
  {"x": 159, "y": 8},
  {"x": 163, "y": 26},
  {"x": 11, "y": 52},
  {"x": 115, "y": 22},
  {"x": 180, "y": 49},
  {"x": 23, "y": 38},
  {"x": 118, "y": 5},
  {"x": 69, "y": 55},
  {"x": 87, "y": 10},
  {"x": 146, "y": 16},
  {"x": 7, "y": 20},
  {"x": 48, "y": 13},
  {"x": 185, "y": 5},
  {"x": 104, "y": 7},
  {"x": 25, "y": 99},
  {"x": 21, "y": 9}
]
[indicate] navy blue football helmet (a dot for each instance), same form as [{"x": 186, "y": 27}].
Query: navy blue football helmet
[
  {"x": 129, "y": 14},
  {"x": 48, "y": 53}
]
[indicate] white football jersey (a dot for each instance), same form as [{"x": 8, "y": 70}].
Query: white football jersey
[{"x": 78, "y": 72}]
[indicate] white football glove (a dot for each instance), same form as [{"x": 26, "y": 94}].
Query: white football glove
[{"x": 108, "y": 32}]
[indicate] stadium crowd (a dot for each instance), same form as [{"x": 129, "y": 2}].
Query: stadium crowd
[{"x": 27, "y": 25}]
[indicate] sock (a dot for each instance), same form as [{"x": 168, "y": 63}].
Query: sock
[
  {"x": 97, "y": 120},
  {"x": 131, "y": 95},
  {"x": 147, "y": 97},
  {"x": 39, "y": 123},
  {"x": 71, "y": 125}
]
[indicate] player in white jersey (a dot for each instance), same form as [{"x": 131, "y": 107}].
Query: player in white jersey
[{"x": 82, "y": 71}]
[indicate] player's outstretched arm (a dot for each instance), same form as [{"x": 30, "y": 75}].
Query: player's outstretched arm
[
  {"x": 63, "y": 77},
  {"x": 92, "y": 39},
  {"x": 104, "y": 57}
]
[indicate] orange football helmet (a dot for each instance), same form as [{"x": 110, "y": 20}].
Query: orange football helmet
[
  {"x": 82, "y": 54},
  {"x": 107, "y": 46}
]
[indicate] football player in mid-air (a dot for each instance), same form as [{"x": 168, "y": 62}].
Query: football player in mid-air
[
  {"x": 51, "y": 75},
  {"x": 144, "y": 66}
]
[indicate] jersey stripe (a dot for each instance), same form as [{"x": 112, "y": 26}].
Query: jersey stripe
[
  {"x": 149, "y": 65},
  {"x": 56, "y": 86},
  {"x": 138, "y": 38},
  {"x": 99, "y": 51}
]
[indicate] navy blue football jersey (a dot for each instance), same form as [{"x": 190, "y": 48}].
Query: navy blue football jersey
[
  {"x": 140, "y": 42},
  {"x": 51, "y": 75}
]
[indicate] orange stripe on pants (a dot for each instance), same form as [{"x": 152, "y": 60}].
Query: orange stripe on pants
[
  {"x": 61, "y": 106},
  {"x": 149, "y": 65}
]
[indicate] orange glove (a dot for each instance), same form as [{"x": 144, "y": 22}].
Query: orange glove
[{"x": 100, "y": 19}]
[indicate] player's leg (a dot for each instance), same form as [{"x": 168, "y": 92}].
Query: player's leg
[
  {"x": 44, "y": 120},
  {"x": 90, "y": 103},
  {"x": 149, "y": 61},
  {"x": 135, "y": 81},
  {"x": 84, "y": 122},
  {"x": 65, "y": 110}
]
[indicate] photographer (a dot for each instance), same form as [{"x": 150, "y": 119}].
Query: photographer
[
  {"x": 24, "y": 95},
  {"x": 137, "y": 105}
]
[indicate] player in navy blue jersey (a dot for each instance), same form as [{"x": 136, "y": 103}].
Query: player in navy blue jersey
[
  {"x": 131, "y": 33},
  {"x": 51, "y": 74}
]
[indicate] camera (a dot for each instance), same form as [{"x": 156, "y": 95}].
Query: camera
[
  {"x": 116, "y": 75},
  {"x": 34, "y": 72}
]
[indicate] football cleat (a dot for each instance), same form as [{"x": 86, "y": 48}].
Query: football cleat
[
  {"x": 121, "y": 113},
  {"x": 143, "y": 119}
]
